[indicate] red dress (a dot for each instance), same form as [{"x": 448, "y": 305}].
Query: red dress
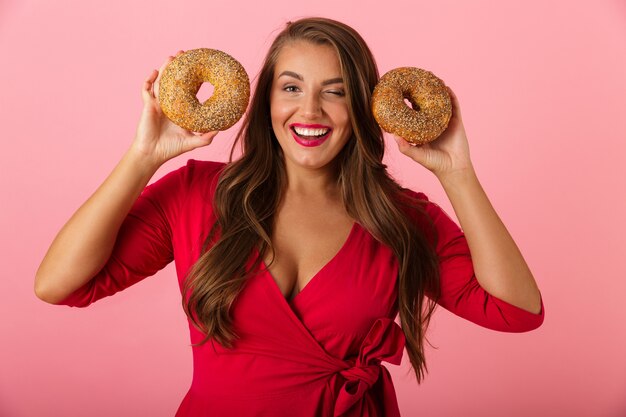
[{"x": 318, "y": 355}]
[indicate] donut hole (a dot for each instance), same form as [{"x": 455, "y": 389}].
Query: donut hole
[
  {"x": 411, "y": 105},
  {"x": 205, "y": 92}
]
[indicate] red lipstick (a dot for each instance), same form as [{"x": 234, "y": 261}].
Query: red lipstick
[{"x": 307, "y": 136}]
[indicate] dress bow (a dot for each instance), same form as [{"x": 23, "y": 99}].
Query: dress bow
[{"x": 384, "y": 342}]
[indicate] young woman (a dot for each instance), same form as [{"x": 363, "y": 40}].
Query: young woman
[{"x": 294, "y": 260}]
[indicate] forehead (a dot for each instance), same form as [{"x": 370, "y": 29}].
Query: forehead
[{"x": 308, "y": 59}]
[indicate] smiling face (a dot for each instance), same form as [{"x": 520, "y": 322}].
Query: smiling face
[{"x": 308, "y": 105}]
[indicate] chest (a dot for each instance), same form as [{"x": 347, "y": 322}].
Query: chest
[
  {"x": 329, "y": 289},
  {"x": 339, "y": 303},
  {"x": 303, "y": 245}
]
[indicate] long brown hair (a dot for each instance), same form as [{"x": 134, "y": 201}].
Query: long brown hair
[{"x": 250, "y": 188}]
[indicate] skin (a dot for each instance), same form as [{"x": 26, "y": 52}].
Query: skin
[
  {"x": 311, "y": 224},
  {"x": 498, "y": 264},
  {"x": 86, "y": 241},
  {"x": 311, "y": 200},
  {"x": 311, "y": 205},
  {"x": 300, "y": 94}
]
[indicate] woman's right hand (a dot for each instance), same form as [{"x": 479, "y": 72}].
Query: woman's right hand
[
  {"x": 85, "y": 243},
  {"x": 157, "y": 137}
]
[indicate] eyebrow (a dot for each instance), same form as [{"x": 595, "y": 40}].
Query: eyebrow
[{"x": 299, "y": 77}]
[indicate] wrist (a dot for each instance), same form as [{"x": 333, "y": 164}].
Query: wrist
[
  {"x": 144, "y": 162},
  {"x": 457, "y": 177}
]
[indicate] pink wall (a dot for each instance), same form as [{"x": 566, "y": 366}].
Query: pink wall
[{"x": 543, "y": 92}]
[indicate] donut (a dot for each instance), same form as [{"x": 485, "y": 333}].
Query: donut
[
  {"x": 182, "y": 78},
  {"x": 431, "y": 105}
]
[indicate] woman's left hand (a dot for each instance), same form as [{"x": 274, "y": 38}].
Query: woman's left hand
[
  {"x": 446, "y": 155},
  {"x": 498, "y": 264}
]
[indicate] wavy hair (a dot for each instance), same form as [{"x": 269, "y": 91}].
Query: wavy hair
[{"x": 249, "y": 190}]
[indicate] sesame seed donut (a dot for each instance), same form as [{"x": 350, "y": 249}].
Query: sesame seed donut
[
  {"x": 182, "y": 79},
  {"x": 427, "y": 94}
]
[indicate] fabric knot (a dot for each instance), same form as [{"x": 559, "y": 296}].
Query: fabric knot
[
  {"x": 384, "y": 341},
  {"x": 367, "y": 375}
]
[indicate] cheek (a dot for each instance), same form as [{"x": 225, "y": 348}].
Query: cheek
[
  {"x": 347, "y": 127},
  {"x": 280, "y": 111},
  {"x": 342, "y": 118}
]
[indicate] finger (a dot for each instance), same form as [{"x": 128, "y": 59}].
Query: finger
[
  {"x": 456, "y": 108},
  {"x": 415, "y": 152},
  {"x": 209, "y": 136},
  {"x": 167, "y": 61},
  {"x": 147, "y": 91},
  {"x": 200, "y": 139},
  {"x": 403, "y": 145}
]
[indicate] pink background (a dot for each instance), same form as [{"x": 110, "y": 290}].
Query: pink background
[{"x": 542, "y": 86}]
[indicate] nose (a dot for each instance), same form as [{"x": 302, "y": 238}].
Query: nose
[{"x": 311, "y": 107}]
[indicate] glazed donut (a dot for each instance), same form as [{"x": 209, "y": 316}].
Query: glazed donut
[
  {"x": 182, "y": 79},
  {"x": 427, "y": 94}
]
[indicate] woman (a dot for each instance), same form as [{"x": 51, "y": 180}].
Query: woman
[{"x": 295, "y": 259}]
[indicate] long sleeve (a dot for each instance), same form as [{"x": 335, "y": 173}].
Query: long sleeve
[
  {"x": 144, "y": 241},
  {"x": 461, "y": 292}
]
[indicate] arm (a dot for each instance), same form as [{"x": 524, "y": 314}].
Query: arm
[
  {"x": 497, "y": 262},
  {"x": 86, "y": 241}
]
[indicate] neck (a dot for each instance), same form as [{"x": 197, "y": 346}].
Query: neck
[{"x": 310, "y": 182}]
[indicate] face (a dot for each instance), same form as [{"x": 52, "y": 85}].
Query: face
[{"x": 308, "y": 105}]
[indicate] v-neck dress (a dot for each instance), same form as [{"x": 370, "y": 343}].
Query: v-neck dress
[{"x": 319, "y": 354}]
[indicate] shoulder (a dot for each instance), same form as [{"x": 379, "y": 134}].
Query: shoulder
[
  {"x": 420, "y": 202},
  {"x": 416, "y": 204},
  {"x": 196, "y": 177},
  {"x": 410, "y": 195},
  {"x": 202, "y": 170},
  {"x": 431, "y": 218},
  {"x": 199, "y": 179}
]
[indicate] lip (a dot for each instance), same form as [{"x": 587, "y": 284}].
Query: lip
[
  {"x": 313, "y": 126},
  {"x": 310, "y": 143}
]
